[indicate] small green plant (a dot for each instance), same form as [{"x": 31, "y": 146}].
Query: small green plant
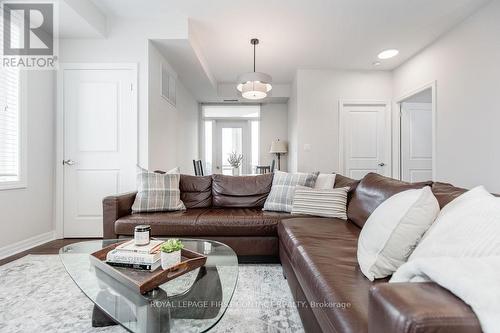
[{"x": 172, "y": 245}]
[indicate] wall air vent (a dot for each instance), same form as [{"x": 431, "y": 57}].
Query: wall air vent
[{"x": 168, "y": 82}]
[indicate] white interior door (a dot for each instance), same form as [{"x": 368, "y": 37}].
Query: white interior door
[
  {"x": 416, "y": 141},
  {"x": 232, "y": 136},
  {"x": 100, "y": 144},
  {"x": 365, "y": 140}
]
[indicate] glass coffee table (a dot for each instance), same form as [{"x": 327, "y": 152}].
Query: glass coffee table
[{"x": 193, "y": 302}]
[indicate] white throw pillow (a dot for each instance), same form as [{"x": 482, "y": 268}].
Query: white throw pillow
[
  {"x": 325, "y": 181},
  {"x": 174, "y": 170},
  {"x": 469, "y": 226},
  {"x": 393, "y": 230}
]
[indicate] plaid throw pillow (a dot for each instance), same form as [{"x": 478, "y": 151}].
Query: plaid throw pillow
[
  {"x": 157, "y": 192},
  {"x": 281, "y": 196}
]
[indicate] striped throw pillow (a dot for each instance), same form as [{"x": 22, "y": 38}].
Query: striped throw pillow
[
  {"x": 281, "y": 196},
  {"x": 157, "y": 192},
  {"x": 321, "y": 202}
]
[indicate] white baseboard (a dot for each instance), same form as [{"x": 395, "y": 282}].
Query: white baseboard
[{"x": 26, "y": 244}]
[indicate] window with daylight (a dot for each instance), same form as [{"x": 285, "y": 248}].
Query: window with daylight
[
  {"x": 12, "y": 173},
  {"x": 230, "y": 129}
]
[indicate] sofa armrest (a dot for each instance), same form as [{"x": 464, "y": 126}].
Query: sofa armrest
[
  {"x": 114, "y": 207},
  {"x": 418, "y": 307}
]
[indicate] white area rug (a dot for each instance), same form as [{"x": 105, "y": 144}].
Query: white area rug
[{"x": 37, "y": 295}]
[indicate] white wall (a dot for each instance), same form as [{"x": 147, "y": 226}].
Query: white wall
[
  {"x": 464, "y": 63},
  {"x": 317, "y": 121},
  {"x": 273, "y": 125},
  {"x": 292, "y": 159},
  {"x": 188, "y": 121},
  {"x": 127, "y": 41},
  {"x": 28, "y": 212},
  {"x": 173, "y": 130}
]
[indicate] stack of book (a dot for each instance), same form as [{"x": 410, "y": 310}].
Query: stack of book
[{"x": 129, "y": 255}]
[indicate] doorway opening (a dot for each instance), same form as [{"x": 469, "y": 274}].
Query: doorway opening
[
  {"x": 416, "y": 152},
  {"x": 230, "y": 129}
]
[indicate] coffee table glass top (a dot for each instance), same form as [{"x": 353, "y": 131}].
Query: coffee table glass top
[{"x": 193, "y": 302}]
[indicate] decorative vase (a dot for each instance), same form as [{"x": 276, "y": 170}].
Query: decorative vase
[
  {"x": 170, "y": 259},
  {"x": 236, "y": 171}
]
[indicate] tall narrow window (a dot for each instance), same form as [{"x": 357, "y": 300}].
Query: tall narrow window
[
  {"x": 11, "y": 159},
  {"x": 255, "y": 143},
  {"x": 9, "y": 125},
  {"x": 208, "y": 147}
]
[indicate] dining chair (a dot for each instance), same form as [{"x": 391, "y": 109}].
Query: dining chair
[
  {"x": 198, "y": 167},
  {"x": 262, "y": 169}
]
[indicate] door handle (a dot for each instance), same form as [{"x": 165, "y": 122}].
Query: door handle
[
  {"x": 381, "y": 164},
  {"x": 68, "y": 162},
  {"x": 218, "y": 167}
]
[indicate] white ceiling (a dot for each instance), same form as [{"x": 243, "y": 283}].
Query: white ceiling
[{"x": 346, "y": 34}]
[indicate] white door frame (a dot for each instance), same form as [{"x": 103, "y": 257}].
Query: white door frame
[
  {"x": 246, "y": 142},
  {"x": 342, "y": 104},
  {"x": 396, "y": 144},
  {"x": 59, "y": 186}
]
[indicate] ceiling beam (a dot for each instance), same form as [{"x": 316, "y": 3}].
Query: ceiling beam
[{"x": 86, "y": 9}]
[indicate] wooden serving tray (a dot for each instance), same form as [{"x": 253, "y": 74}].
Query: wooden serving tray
[{"x": 145, "y": 281}]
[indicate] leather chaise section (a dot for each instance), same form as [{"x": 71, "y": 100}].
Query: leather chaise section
[{"x": 323, "y": 258}]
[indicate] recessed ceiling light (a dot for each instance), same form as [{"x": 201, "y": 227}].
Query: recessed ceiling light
[
  {"x": 386, "y": 54},
  {"x": 376, "y": 63}
]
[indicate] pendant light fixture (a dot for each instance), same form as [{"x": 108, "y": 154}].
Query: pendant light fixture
[{"x": 254, "y": 85}]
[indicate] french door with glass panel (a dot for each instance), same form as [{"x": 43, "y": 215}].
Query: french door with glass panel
[{"x": 231, "y": 137}]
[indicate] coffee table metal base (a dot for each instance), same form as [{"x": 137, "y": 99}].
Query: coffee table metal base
[{"x": 206, "y": 294}]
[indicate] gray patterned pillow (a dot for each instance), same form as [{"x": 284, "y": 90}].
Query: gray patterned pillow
[
  {"x": 281, "y": 196},
  {"x": 157, "y": 192}
]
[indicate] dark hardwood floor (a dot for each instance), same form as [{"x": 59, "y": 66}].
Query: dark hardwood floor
[{"x": 51, "y": 247}]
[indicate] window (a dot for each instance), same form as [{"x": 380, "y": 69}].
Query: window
[
  {"x": 231, "y": 111},
  {"x": 230, "y": 129},
  {"x": 255, "y": 143},
  {"x": 12, "y": 160},
  {"x": 208, "y": 147}
]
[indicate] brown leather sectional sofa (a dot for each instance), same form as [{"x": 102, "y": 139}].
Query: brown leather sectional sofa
[{"x": 318, "y": 255}]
